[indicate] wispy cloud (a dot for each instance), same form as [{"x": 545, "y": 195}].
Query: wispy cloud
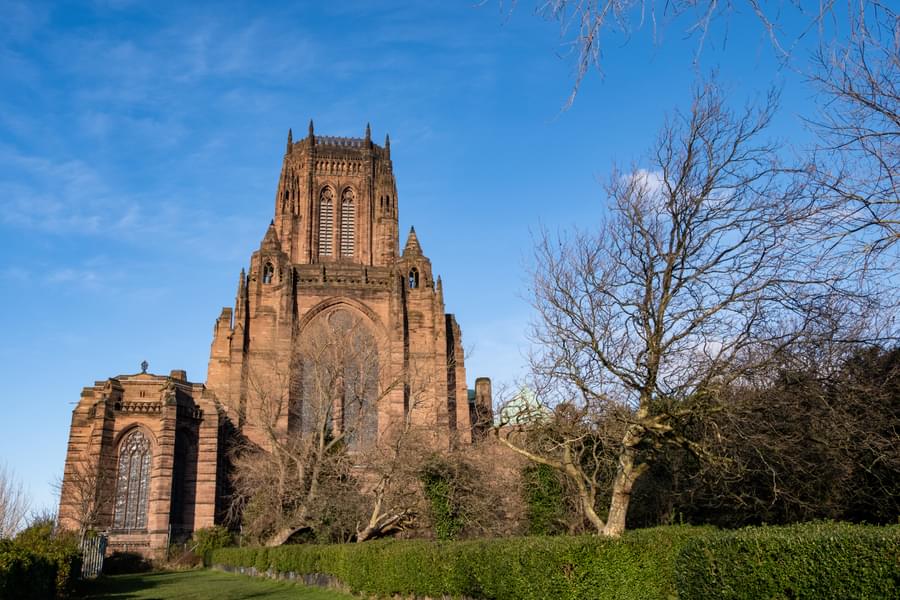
[{"x": 60, "y": 197}]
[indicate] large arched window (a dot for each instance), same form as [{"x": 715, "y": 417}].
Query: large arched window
[
  {"x": 337, "y": 373},
  {"x": 348, "y": 222},
  {"x": 133, "y": 482},
  {"x": 326, "y": 222}
]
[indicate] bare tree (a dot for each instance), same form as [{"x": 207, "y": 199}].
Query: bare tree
[
  {"x": 314, "y": 417},
  {"x": 855, "y": 69},
  {"x": 856, "y": 165},
  {"x": 88, "y": 491},
  {"x": 14, "y": 503},
  {"x": 392, "y": 468},
  {"x": 693, "y": 279}
]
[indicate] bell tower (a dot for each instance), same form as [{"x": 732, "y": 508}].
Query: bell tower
[
  {"x": 336, "y": 201},
  {"x": 333, "y": 248}
]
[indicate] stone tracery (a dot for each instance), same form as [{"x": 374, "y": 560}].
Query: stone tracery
[{"x": 133, "y": 482}]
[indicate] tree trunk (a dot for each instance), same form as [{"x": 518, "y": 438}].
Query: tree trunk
[
  {"x": 587, "y": 504},
  {"x": 281, "y": 536},
  {"x": 626, "y": 474}
]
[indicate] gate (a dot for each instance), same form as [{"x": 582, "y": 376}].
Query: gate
[{"x": 92, "y": 551}]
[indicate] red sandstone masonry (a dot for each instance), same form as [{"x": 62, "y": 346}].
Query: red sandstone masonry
[{"x": 290, "y": 283}]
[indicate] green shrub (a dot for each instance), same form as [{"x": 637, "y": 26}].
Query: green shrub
[
  {"x": 48, "y": 557},
  {"x": 544, "y": 499},
  {"x": 439, "y": 487},
  {"x": 25, "y": 574},
  {"x": 813, "y": 560},
  {"x": 208, "y": 539}
]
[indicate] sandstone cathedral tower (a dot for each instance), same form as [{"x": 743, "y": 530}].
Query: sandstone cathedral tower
[{"x": 146, "y": 452}]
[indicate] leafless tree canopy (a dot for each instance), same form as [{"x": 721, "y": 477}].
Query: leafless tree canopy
[
  {"x": 857, "y": 161},
  {"x": 14, "y": 503},
  {"x": 588, "y": 26},
  {"x": 696, "y": 278},
  {"x": 855, "y": 69},
  {"x": 89, "y": 492},
  {"x": 326, "y": 466}
]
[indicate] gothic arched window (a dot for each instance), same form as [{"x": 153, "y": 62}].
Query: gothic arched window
[
  {"x": 268, "y": 273},
  {"x": 413, "y": 278},
  {"x": 348, "y": 222},
  {"x": 133, "y": 481},
  {"x": 337, "y": 378},
  {"x": 326, "y": 221}
]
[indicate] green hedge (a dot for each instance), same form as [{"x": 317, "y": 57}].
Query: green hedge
[
  {"x": 639, "y": 566},
  {"x": 818, "y": 560},
  {"x": 821, "y": 560}
]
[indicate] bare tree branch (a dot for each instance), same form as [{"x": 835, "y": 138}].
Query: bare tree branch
[
  {"x": 14, "y": 503},
  {"x": 697, "y": 277}
]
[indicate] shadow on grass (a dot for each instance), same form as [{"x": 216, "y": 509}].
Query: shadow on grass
[
  {"x": 120, "y": 587},
  {"x": 198, "y": 584}
]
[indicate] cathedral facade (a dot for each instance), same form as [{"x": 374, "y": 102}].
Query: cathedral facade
[{"x": 146, "y": 458}]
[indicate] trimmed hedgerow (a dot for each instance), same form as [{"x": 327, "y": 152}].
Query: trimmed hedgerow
[
  {"x": 819, "y": 560},
  {"x": 814, "y": 560},
  {"x": 639, "y": 566},
  {"x": 207, "y": 539}
]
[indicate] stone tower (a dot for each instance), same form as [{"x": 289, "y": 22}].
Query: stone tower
[{"x": 333, "y": 245}]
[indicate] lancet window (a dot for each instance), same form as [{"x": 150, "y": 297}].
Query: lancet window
[
  {"x": 348, "y": 222},
  {"x": 133, "y": 482},
  {"x": 326, "y": 222}
]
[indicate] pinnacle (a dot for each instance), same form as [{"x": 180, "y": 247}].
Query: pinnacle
[
  {"x": 412, "y": 244},
  {"x": 271, "y": 236}
]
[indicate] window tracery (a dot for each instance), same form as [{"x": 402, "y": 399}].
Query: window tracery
[
  {"x": 326, "y": 222},
  {"x": 413, "y": 278},
  {"x": 268, "y": 273},
  {"x": 348, "y": 223},
  {"x": 133, "y": 482}
]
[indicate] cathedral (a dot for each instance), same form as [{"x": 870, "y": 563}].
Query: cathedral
[{"x": 147, "y": 455}]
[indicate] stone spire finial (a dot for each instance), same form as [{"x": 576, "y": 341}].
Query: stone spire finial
[
  {"x": 387, "y": 143},
  {"x": 368, "y": 133},
  {"x": 311, "y": 132},
  {"x": 290, "y": 142},
  {"x": 412, "y": 244},
  {"x": 271, "y": 237}
]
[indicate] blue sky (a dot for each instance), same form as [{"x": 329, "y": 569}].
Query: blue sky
[{"x": 140, "y": 145}]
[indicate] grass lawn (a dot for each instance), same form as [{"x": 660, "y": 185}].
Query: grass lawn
[{"x": 201, "y": 585}]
